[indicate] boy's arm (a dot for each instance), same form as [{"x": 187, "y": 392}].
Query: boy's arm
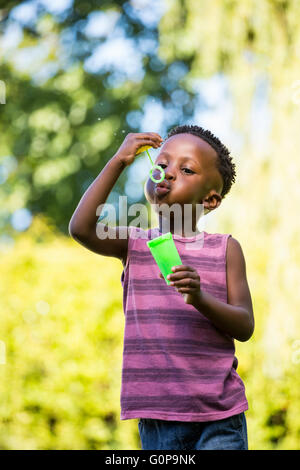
[
  {"x": 235, "y": 317},
  {"x": 83, "y": 224},
  {"x": 237, "y": 284}
]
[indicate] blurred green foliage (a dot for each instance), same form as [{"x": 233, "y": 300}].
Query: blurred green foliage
[
  {"x": 63, "y": 127},
  {"x": 62, "y": 328}
]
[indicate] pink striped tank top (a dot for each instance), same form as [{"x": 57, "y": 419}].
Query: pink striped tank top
[{"x": 176, "y": 364}]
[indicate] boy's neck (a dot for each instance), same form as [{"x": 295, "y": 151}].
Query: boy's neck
[{"x": 164, "y": 228}]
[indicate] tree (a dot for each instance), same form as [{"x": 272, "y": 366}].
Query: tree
[{"x": 65, "y": 116}]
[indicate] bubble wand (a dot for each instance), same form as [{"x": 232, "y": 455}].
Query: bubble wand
[{"x": 154, "y": 167}]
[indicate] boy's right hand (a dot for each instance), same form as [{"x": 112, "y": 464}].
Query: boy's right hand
[{"x": 133, "y": 142}]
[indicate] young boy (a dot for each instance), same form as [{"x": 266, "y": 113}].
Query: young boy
[{"x": 179, "y": 369}]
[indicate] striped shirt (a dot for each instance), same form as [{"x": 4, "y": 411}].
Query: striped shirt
[{"x": 176, "y": 364}]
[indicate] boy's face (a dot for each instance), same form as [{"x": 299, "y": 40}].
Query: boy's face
[{"x": 191, "y": 174}]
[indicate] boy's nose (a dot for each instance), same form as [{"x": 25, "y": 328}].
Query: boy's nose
[{"x": 169, "y": 173}]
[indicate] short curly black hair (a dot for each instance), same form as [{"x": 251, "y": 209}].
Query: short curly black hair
[{"x": 225, "y": 165}]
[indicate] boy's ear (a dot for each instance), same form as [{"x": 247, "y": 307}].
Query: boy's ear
[{"x": 212, "y": 201}]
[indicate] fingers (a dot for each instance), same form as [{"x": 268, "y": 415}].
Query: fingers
[
  {"x": 152, "y": 138},
  {"x": 186, "y": 282},
  {"x": 186, "y": 290},
  {"x": 190, "y": 282},
  {"x": 184, "y": 279},
  {"x": 182, "y": 267},
  {"x": 183, "y": 274},
  {"x": 152, "y": 135}
]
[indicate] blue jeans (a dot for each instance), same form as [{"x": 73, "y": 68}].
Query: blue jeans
[{"x": 224, "y": 434}]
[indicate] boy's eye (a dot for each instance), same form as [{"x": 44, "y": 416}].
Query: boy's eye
[{"x": 188, "y": 170}]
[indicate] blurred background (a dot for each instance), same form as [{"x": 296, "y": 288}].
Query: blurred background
[{"x": 75, "y": 78}]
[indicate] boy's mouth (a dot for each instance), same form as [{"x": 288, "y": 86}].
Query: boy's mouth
[
  {"x": 163, "y": 184},
  {"x": 162, "y": 188}
]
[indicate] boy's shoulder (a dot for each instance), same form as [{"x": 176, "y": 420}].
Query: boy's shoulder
[
  {"x": 235, "y": 258},
  {"x": 232, "y": 242},
  {"x": 218, "y": 235}
]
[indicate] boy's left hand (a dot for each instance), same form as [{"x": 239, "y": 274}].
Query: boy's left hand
[{"x": 186, "y": 281}]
